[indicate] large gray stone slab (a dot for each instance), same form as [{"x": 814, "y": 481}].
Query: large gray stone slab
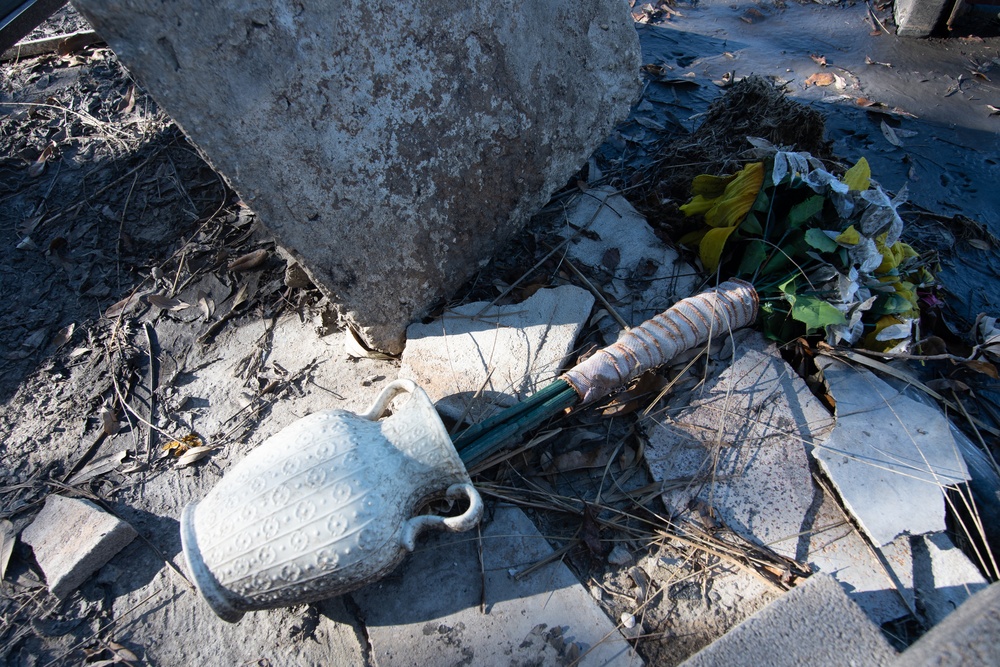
[
  {"x": 919, "y": 18},
  {"x": 890, "y": 457},
  {"x": 641, "y": 275},
  {"x": 478, "y": 358},
  {"x": 72, "y": 539},
  {"x": 443, "y": 608},
  {"x": 392, "y": 147},
  {"x": 813, "y": 624}
]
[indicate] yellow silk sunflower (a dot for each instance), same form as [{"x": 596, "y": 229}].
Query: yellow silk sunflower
[{"x": 725, "y": 202}]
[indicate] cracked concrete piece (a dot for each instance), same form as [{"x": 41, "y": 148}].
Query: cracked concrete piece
[
  {"x": 642, "y": 275},
  {"x": 889, "y": 456},
  {"x": 830, "y": 543},
  {"x": 970, "y": 636},
  {"x": 503, "y": 353},
  {"x": 813, "y": 624},
  {"x": 72, "y": 539},
  {"x": 391, "y": 148},
  {"x": 944, "y": 577},
  {"x": 442, "y": 608},
  {"x": 738, "y": 447}
]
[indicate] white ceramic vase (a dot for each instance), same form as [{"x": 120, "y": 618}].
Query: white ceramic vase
[{"x": 325, "y": 506}]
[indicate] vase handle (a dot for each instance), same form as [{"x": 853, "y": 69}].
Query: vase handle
[{"x": 453, "y": 524}]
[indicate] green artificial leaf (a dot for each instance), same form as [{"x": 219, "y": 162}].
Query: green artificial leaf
[
  {"x": 819, "y": 240},
  {"x": 780, "y": 260},
  {"x": 892, "y": 304},
  {"x": 751, "y": 225},
  {"x": 788, "y": 287},
  {"x": 753, "y": 258},
  {"x": 763, "y": 201},
  {"x": 814, "y": 312},
  {"x": 805, "y": 210}
]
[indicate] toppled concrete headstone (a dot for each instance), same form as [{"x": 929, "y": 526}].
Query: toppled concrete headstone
[
  {"x": 738, "y": 447},
  {"x": 72, "y": 539},
  {"x": 813, "y": 624},
  {"x": 441, "y": 608},
  {"x": 391, "y": 146},
  {"x": 641, "y": 274},
  {"x": 919, "y": 18},
  {"x": 478, "y": 358},
  {"x": 889, "y": 456}
]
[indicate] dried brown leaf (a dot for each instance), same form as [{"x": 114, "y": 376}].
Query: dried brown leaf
[
  {"x": 206, "y": 304},
  {"x": 819, "y": 60},
  {"x": 166, "y": 303},
  {"x": 637, "y": 396},
  {"x": 943, "y": 385},
  {"x": 178, "y": 447},
  {"x": 241, "y": 295},
  {"x": 590, "y": 532},
  {"x": 7, "y": 539},
  {"x": 890, "y": 135},
  {"x": 37, "y": 167},
  {"x": 125, "y": 305},
  {"x": 64, "y": 335},
  {"x": 984, "y": 367},
  {"x": 127, "y": 103},
  {"x": 123, "y": 653},
  {"x": 611, "y": 259},
  {"x": 594, "y": 457},
  {"x": 193, "y": 455},
  {"x": 820, "y": 79},
  {"x": 98, "y": 467},
  {"x": 249, "y": 261},
  {"x": 358, "y": 350},
  {"x": 109, "y": 420}
]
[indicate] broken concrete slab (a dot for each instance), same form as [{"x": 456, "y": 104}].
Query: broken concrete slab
[
  {"x": 738, "y": 446},
  {"x": 880, "y": 582},
  {"x": 890, "y": 457},
  {"x": 813, "y": 624},
  {"x": 446, "y": 606},
  {"x": 943, "y": 577},
  {"x": 984, "y": 480},
  {"x": 970, "y": 636},
  {"x": 641, "y": 274},
  {"x": 478, "y": 358},
  {"x": 391, "y": 148},
  {"x": 72, "y": 538}
]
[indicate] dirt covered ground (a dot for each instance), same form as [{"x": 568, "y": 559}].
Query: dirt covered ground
[{"x": 144, "y": 307}]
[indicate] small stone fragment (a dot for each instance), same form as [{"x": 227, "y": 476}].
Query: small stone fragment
[
  {"x": 620, "y": 556},
  {"x": 72, "y": 539}
]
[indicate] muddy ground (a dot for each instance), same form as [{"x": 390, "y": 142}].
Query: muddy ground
[{"x": 143, "y": 303}]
